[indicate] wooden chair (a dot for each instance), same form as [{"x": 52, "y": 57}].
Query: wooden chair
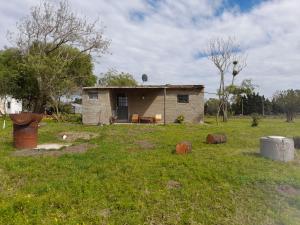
[
  {"x": 157, "y": 118},
  {"x": 135, "y": 118}
]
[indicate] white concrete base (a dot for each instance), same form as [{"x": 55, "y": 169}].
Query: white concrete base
[
  {"x": 51, "y": 146},
  {"x": 277, "y": 148}
]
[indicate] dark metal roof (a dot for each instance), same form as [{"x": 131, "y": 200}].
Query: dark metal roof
[{"x": 168, "y": 86}]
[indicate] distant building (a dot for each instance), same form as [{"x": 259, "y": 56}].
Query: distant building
[
  {"x": 76, "y": 108},
  {"x": 101, "y": 104},
  {"x": 10, "y": 105}
]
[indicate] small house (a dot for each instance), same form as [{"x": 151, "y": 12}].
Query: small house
[{"x": 163, "y": 103}]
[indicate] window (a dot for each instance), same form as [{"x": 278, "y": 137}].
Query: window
[
  {"x": 93, "y": 95},
  {"x": 8, "y": 105},
  {"x": 182, "y": 98}
]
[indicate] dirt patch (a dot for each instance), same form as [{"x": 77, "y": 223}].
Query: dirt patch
[
  {"x": 105, "y": 213},
  {"x": 173, "y": 184},
  {"x": 141, "y": 145},
  {"x": 73, "y": 136},
  {"x": 288, "y": 190},
  {"x": 145, "y": 144},
  {"x": 76, "y": 149}
]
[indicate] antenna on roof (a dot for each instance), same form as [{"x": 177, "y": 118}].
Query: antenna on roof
[{"x": 144, "y": 78}]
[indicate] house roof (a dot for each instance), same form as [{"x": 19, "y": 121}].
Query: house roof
[{"x": 167, "y": 86}]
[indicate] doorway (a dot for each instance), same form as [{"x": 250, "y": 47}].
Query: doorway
[{"x": 122, "y": 108}]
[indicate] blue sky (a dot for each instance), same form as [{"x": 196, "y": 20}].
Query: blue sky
[
  {"x": 244, "y": 5},
  {"x": 166, "y": 39}
]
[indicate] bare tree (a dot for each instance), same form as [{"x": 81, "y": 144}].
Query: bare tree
[
  {"x": 225, "y": 53},
  {"x": 45, "y": 32}
]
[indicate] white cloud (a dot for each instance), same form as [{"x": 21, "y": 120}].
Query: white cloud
[{"x": 164, "y": 42}]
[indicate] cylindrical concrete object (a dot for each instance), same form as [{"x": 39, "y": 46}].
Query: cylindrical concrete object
[{"x": 277, "y": 148}]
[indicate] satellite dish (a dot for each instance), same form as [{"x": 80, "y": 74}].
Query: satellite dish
[{"x": 144, "y": 78}]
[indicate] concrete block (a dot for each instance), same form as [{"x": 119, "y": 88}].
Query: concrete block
[{"x": 277, "y": 148}]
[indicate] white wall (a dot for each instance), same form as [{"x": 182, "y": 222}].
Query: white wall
[{"x": 12, "y": 105}]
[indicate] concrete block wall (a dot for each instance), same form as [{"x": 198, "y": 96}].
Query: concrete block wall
[
  {"x": 96, "y": 111},
  {"x": 193, "y": 111}
]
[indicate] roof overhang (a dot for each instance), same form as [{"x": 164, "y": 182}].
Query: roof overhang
[{"x": 193, "y": 87}]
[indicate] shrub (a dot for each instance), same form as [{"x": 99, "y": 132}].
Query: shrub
[
  {"x": 255, "y": 119},
  {"x": 71, "y": 118},
  {"x": 180, "y": 119}
]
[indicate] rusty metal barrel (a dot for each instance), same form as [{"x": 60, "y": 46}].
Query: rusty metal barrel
[{"x": 25, "y": 129}]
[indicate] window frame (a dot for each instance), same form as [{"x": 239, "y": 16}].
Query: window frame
[
  {"x": 93, "y": 95},
  {"x": 183, "y": 98}
]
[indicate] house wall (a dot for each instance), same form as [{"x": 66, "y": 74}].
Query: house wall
[
  {"x": 193, "y": 111},
  {"x": 145, "y": 102},
  {"x": 96, "y": 111}
]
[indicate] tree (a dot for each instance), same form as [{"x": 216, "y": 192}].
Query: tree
[
  {"x": 238, "y": 91},
  {"x": 61, "y": 79},
  {"x": 21, "y": 80},
  {"x": 52, "y": 39},
  {"x": 289, "y": 102},
  {"x": 114, "y": 78},
  {"x": 224, "y": 53},
  {"x": 9, "y": 59},
  {"x": 251, "y": 103},
  {"x": 211, "y": 106}
]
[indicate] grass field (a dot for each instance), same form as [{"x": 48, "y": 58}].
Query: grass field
[{"x": 130, "y": 176}]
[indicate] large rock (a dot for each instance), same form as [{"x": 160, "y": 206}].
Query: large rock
[
  {"x": 183, "y": 147},
  {"x": 216, "y": 139},
  {"x": 277, "y": 148}
]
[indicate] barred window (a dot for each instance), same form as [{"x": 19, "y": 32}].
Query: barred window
[{"x": 183, "y": 98}]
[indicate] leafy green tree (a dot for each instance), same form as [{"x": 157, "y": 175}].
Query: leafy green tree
[
  {"x": 54, "y": 43},
  {"x": 19, "y": 76},
  {"x": 252, "y": 103},
  {"x": 114, "y": 78},
  {"x": 211, "y": 106},
  {"x": 9, "y": 59},
  {"x": 59, "y": 78},
  {"x": 289, "y": 102},
  {"x": 237, "y": 91}
]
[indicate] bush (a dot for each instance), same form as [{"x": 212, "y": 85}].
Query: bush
[
  {"x": 71, "y": 118},
  {"x": 255, "y": 119},
  {"x": 180, "y": 119}
]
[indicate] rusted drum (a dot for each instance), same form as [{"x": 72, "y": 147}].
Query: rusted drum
[
  {"x": 216, "y": 139},
  {"x": 25, "y": 133},
  {"x": 184, "y": 147}
]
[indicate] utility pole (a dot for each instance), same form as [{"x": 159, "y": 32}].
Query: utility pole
[
  {"x": 242, "y": 106},
  {"x": 263, "y": 105}
]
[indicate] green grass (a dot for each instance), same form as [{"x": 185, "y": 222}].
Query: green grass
[{"x": 118, "y": 182}]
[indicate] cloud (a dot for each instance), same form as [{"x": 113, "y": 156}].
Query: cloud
[{"x": 164, "y": 38}]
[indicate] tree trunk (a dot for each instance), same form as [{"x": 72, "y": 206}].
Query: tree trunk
[
  {"x": 40, "y": 104},
  {"x": 289, "y": 117}
]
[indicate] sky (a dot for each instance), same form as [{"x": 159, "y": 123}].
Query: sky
[{"x": 165, "y": 39}]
